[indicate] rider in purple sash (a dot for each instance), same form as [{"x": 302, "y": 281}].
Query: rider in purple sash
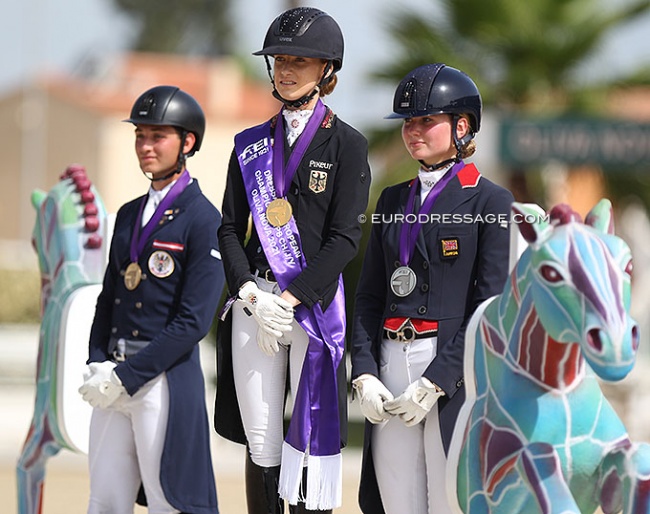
[
  {"x": 438, "y": 248},
  {"x": 303, "y": 179}
]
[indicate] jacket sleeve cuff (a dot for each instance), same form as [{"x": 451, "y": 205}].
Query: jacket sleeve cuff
[{"x": 306, "y": 296}]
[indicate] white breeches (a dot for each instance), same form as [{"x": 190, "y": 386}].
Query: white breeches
[
  {"x": 260, "y": 381},
  {"x": 126, "y": 443},
  {"x": 409, "y": 461}
]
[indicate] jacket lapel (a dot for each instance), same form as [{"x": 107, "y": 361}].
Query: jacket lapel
[{"x": 448, "y": 203}]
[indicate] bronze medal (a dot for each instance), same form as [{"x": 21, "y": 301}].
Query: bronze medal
[
  {"x": 132, "y": 276},
  {"x": 278, "y": 212}
]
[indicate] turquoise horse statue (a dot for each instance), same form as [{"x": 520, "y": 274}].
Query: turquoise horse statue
[
  {"x": 536, "y": 434},
  {"x": 69, "y": 239}
]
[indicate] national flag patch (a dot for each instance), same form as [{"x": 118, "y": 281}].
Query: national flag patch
[
  {"x": 449, "y": 247},
  {"x": 165, "y": 245}
]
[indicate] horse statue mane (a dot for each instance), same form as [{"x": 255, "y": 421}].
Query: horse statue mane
[
  {"x": 68, "y": 237},
  {"x": 536, "y": 434}
]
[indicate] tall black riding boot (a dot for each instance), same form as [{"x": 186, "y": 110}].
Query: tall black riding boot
[
  {"x": 300, "y": 508},
  {"x": 262, "y": 489}
]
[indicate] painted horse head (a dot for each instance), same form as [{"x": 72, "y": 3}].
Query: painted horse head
[
  {"x": 536, "y": 434},
  {"x": 66, "y": 234},
  {"x": 580, "y": 277}
]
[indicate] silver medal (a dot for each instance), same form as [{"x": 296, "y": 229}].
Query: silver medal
[{"x": 402, "y": 281}]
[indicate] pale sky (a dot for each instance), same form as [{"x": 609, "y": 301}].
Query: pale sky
[{"x": 58, "y": 34}]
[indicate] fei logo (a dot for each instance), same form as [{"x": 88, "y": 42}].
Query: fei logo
[{"x": 254, "y": 150}]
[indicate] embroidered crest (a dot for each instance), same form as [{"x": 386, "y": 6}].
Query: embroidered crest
[
  {"x": 317, "y": 181},
  {"x": 161, "y": 264},
  {"x": 449, "y": 247}
]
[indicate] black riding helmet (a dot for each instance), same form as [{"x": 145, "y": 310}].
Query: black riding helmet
[
  {"x": 169, "y": 105},
  {"x": 304, "y": 32},
  {"x": 439, "y": 89}
]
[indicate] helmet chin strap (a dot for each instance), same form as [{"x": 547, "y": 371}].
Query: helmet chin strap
[
  {"x": 458, "y": 143},
  {"x": 437, "y": 166},
  {"x": 296, "y": 104}
]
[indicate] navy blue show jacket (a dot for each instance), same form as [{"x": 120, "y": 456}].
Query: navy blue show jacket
[
  {"x": 174, "y": 313},
  {"x": 460, "y": 260}
]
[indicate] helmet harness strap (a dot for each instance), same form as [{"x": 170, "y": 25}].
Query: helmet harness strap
[
  {"x": 304, "y": 99},
  {"x": 458, "y": 143}
]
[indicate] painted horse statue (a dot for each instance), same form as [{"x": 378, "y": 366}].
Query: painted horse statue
[
  {"x": 68, "y": 237},
  {"x": 536, "y": 434}
]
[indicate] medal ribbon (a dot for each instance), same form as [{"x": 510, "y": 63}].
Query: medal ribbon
[
  {"x": 315, "y": 421},
  {"x": 281, "y": 175},
  {"x": 409, "y": 232},
  {"x": 139, "y": 238}
]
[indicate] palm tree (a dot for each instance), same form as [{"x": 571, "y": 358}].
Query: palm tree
[
  {"x": 193, "y": 27},
  {"x": 526, "y": 57}
]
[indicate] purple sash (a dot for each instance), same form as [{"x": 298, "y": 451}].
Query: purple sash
[
  {"x": 409, "y": 233},
  {"x": 315, "y": 419},
  {"x": 139, "y": 237}
]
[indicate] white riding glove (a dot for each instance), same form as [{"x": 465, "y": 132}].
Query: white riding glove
[
  {"x": 415, "y": 402},
  {"x": 372, "y": 394},
  {"x": 267, "y": 342},
  {"x": 273, "y": 314},
  {"x": 101, "y": 387}
]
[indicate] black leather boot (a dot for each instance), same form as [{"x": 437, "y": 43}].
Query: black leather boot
[
  {"x": 262, "y": 489},
  {"x": 300, "y": 509}
]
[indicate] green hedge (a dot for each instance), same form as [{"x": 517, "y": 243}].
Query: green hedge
[{"x": 20, "y": 296}]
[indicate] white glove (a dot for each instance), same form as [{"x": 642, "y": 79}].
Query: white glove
[
  {"x": 101, "y": 387},
  {"x": 272, "y": 313},
  {"x": 372, "y": 395},
  {"x": 267, "y": 342},
  {"x": 415, "y": 402}
]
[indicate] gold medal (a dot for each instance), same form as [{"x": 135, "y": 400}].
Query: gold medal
[
  {"x": 278, "y": 212},
  {"x": 132, "y": 276}
]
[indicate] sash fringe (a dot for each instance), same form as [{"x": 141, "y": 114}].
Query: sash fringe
[
  {"x": 324, "y": 482},
  {"x": 290, "y": 473},
  {"x": 324, "y": 479}
]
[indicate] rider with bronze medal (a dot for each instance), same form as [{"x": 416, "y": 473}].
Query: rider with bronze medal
[{"x": 161, "y": 288}]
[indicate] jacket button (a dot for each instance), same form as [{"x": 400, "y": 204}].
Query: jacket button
[
  {"x": 117, "y": 301},
  {"x": 138, "y": 305},
  {"x": 135, "y": 333},
  {"x": 114, "y": 330},
  {"x": 422, "y": 309},
  {"x": 425, "y": 265},
  {"x": 393, "y": 307},
  {"x": 424, "y": 287},
  {"x": 144, "y": 276},
  {"x": 459, "y": 384},
  {"x": 259, "y": 249},
  {"x": 397, "y": 264}
]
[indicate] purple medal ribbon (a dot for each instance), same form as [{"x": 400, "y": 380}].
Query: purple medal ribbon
[
  {"x": 281, "y": 175},
  {"x": 315, "y": 419},
  {"x": 409, "y": 233},
  {"x": 139, "y": 238}
]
